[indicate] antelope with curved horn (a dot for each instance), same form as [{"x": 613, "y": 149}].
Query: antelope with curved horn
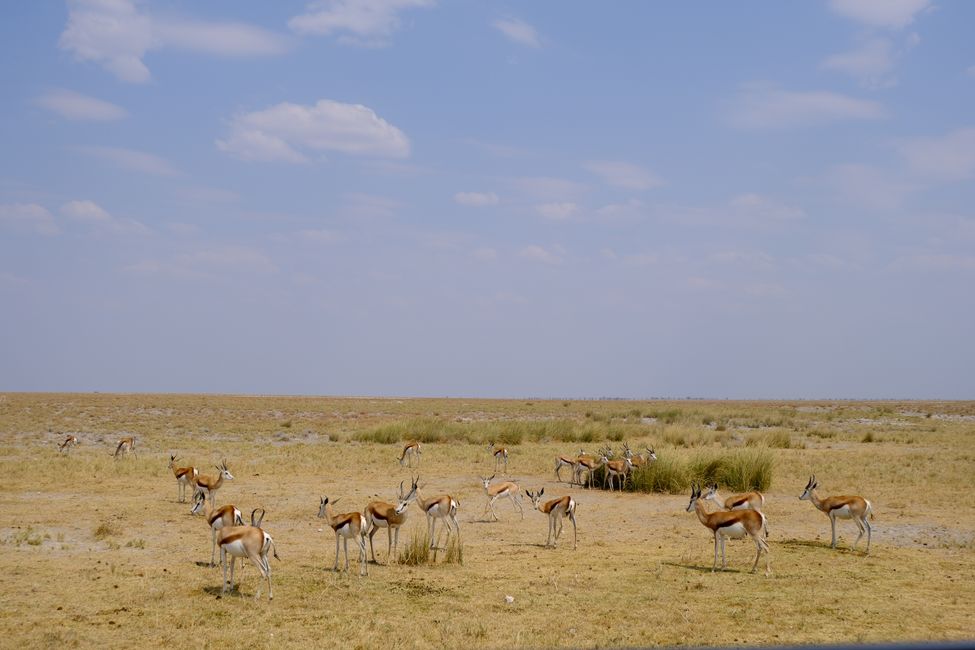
[
  {"x": 443, "y": 507},
  {"x": 507, "y": 489},
  {"x": 614, "y": 469},
  {"x": 209, "y": 485},
  {"x": 250, "y": 542},
  {"x": 347, "y": 525},
  {"x": 217, "y": 518},
  {"x": 731, "y": 524},
  {"x": 185, "y": 476},
  {"x": 410, "y": 451},
  {"x": 589, "y": 465},
  {"x": 842, "y": 507},
  {"x": 380, "y": 514},
  {"x": 68, "y": 443},
  {"x": 557, "y": 510},
  {"x": 746, "y": 501},
  {"x": 566, "y": 461},
  {"x": 125, "y": 445},
  {"x": 500, "y": 456},
  {"x": 639, "y": 460}
]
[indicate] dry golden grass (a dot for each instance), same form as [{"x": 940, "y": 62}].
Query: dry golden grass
[{"x": 98, "y": 551}]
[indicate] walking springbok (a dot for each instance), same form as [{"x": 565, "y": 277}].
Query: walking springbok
[
  {"x": 442, "y": 507},
  {"x": 250, "y": 542},
  {"x": 68, "y": 443},
  {"x": 745, "y": 501},
  {"x": 566, "y": 461},
  {"x": 217, "y": 519},
  {"x": 410, "y": 451},
  {"x": 556, "y": 509},
  {"x": 380, "y": 514},
  {"x": 731, "y": 524},
  {"x": 125, "y": 445},
  {"x": 349, "y": 524},
  {"x": 843, "y": 507},
  {"x": 505, "y": 489},
  {"x": 500, "y": 456},
  {"x": 209, "y": 485},
  {"x": 185, "y": 476}
]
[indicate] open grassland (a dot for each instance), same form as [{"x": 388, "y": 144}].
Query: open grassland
[{"x": 98, "y": 551}]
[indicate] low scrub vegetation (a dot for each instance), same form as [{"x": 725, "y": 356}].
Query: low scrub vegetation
[{"x": 739, "y": 469}]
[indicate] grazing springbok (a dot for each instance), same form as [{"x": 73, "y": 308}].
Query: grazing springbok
[
  {"x": 442, "y": 507},
  {"x": 842, "y": 507},
  {"x": 500, "y": 456},
  {"x": 504, "y": 489},
  {"x": 68, "y": 443},
  {"x": 125, "y": 445},
  {"x": 410, "y": 451},
  {"x": 380, "y": 514},
  {"x": 349, "y": 524},
  {"x": 250, "y": 542},
  {"x": 185, "y": 476},
  {"x": 217, "y": 519},
  {"x": 209, "y": 485},
  {"x": 731, "y": 524},
  {"x": 557, "y": 510},
  {"x": 566, "y": 461},
  {"x": 745, "y": 501}
]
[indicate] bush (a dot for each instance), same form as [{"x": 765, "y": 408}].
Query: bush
[
  {"x": 417, "y": 551},
  {"x": 668, "y": 474},
  {"x": 740, "y": 470}
]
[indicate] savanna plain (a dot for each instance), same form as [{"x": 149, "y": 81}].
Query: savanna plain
[{"x": 99, "y": 551}]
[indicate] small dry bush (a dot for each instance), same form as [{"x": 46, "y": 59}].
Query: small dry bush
[
  {"x": 776, "y": 439},
  {"x": 105, "y": 530},
  {"x": 417, "y": 551},
  {"x": 455, "y": 551}
]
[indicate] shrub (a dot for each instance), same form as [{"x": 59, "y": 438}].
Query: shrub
[
  {"x": 747, "y": 469},
  {"x": 417, "y": 551},
  {"x": 739, "y": 470}
]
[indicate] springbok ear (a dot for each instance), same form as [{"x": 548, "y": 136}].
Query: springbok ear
[
  {"x": 541, "y": 492},
  {"x": 492, "y": 477}
]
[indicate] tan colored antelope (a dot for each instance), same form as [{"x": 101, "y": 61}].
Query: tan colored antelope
[
  {"x": 209, "y": 485},
  {"x": 125, "y": 445},
  {"x": 639, "y": 460},
  {"x": 443, "y": 507},
  {"x": 68, "y": 443},
  {"x": 565, "y": 461},
  {"x": 745, "y": 501},
  {"x": 410, "y": 451},
  {"x": 380, "y": 514},
  {"x": 732, "y": 524},
  {"x": 557, "y": 510},
  {"x": 217, "y": 519},
  {"x": 347, "y": 525},
  {"x": 500, "y": 456},
  {"x": 616, "y": 469},
  {"x": 842, "y": 507},
  {"x": 589, "y": 465},
  {"x": 250, "y": 542},
  {"x": 507, "y": 489},
  {"x": 185, "y": 476}
]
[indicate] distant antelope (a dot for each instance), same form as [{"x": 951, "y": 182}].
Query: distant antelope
[
  {"x": 616, "y": 468},
  {"x": 209, "y": 485},
  {"x": 68, "y": 443},
  {"x": 500, "y": 457},
  {"x": 380, "y": 514},
  {"x": 746, "y": 501},
  {"x": 556, "y": 509},
  {"x": 442, "y": 507},
  {"x": 410, "y": 451},
  {"x": 350, "y": 524},
  {"x": 249, "y": 542},
  {"x": 505, "y": 489},
  {"x": 843, "y": 507},
  {"x": 589, "y": 465},
  {"x": 217, "y": 519},
  {"x": 125, "y": 445},
  {"x": 566, "y": 461},
  {"x": 731, "y": 524},
  {"x": 639, "y": 460},
  {"x": 185, "y": 476}
]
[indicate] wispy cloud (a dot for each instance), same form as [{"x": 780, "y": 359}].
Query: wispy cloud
[
  {"x": 132, "y": 160},
  {"x": 75, "y": 106},
  {"x": 764, "y": 107},
  {"x": 950, "y": 157},
  {"x": 890, "y": 14},
  {"x": 518, "y": 31},
  {"x": 538, "y": 253},
  {"x": 357, "y": 22},
  {"x": 866, "y": 186},
  {"x": 89, "y": 212},
  {"x": 282, "y": 132},
  {"x": 29, "y": 217},
  {"x": 557, "y": 211},
  {"x": 209, "y": 262},
  {"x": 871, "y": 63},
  {"x": 624, "y": 174},
  {"x": 547, "y": 187},
  {"x": 476, "y": 199}
]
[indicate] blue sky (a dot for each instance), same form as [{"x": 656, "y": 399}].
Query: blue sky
[{"x": 412, "y": 197}]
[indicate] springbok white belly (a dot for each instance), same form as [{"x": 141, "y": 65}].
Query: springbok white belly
[
  {"x": 842, "y": 513},
  {"x": 235, "y": 548},
  {"x": 734, "y": 531}
]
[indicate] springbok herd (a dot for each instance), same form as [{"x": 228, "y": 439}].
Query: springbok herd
[{"x": 737, "y": 516}]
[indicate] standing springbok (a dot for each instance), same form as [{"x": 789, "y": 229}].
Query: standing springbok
[
  {"x": 349, "y": 524},
  {"x": 209, "y": 485},
  {"x": 616, "y": 468},
  {"x": 217, "y": 519},
  {"x": 731, "y": 524},
  {"x": 185, "y": 476},
  {"x": 745, "y": 501},
  {"x": 442, "y": 507},
  {"x": 500, "y": 456},
  {"x": 380, "y": 514},
  {"x": 249, "y": 542},
  {"x": 68, "y": 443},
  {"x": 410, "y": 451},
  {"x": 639, "y": 460},
  {"x": 843, "y": 507},
  {"x": 125, "y": 445},
  {"x": 504, "y": 489},
  {"x": 589, "y": 465},
  {"x": 556, "y": 509},
  {"x": 566, "y": 461}
]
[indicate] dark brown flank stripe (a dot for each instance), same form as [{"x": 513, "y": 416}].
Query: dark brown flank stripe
[
  {"x": 342, "y": 520},
  {"x": 235, "y": 535},
  {"x": 739, "y": 501},
  {"x": 183, "y": 472},
  {"x": 219, "y": 513}
]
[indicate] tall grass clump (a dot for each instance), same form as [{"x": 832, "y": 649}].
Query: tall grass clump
[
  {"x": 417, "y": 551},
  {"x": 668, "y": 474},
  {"x": 739, "y": 470},
  {"x": 747, "y": 469},
  {"x": 455, "y": 551},
  {"x": 776, "y": 439}
]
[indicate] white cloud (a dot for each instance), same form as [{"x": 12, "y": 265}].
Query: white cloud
[
  {"x": 540, "y": 254},
  {"x": 625, "y": 175},
  {"x": 518, "y": 31},
  {"x": 871, "y": 63},
  {"x": 891, "y": 14},
  {"x": 361, "y": 22},
  {"x": 634, "y": 209},
  {"x": 280, "y": 132},
  {"x": 557, "y": 211},
  {"x": 866, "y": 186},
  {"x": 763, "y": 107},
  {"x": 116, "y": 35},
  {"x": 132, "y": 160},
  {"x": 28, "y": 216},
  {"x": 88, "y": 211},
  {"x": 368, "y": 206},
  {"x": 75, "y": 106},
  {"x": 950, "y": 157},
  {"x": 548, "y": 188},
  {"x": 476, "y": 199},
  {"x": 756, "y": 207}
]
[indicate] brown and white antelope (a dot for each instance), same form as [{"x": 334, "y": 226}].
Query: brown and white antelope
[
  {"x": 209, "y": 485},
  {"x": 732, "y": 524},
  {"x": 500, "y": 456},
  {"x": 68, "y": 443},
  {"x": 557, "y": 510},
  {"x": 380, "y": 514},
  {"x": 443, "y": 507},
  {"x": 639, "y": 460},
  {"x": 346, "y": 526},
  {"x": 410, "y": 451},
  {"x": 842, "y": 507},
  {"x": 566, "y": 461},
  {"x": 589, "y": 465},
  {"x": 251, "y": 542},
  {"x": 185, "y": 476},
  {"x": 616, "y": 469},
  {"x": 125, "y": 445},
  {"x": 745, "y": 501},
  {"x": 217, "y": 519},
  {"x": 507, "y": 489}
]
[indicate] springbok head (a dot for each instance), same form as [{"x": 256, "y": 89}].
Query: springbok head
[
  {"x": 486, "y": 482},
  {"x": 695, "y": 495},
  {"x": 651, "y": 455},
  {"x": 810, "y": 486},
  {"x": 535, "y": 497},
  {"x": 406, "y": 499},
  {"x": 224, "y": 472}
]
